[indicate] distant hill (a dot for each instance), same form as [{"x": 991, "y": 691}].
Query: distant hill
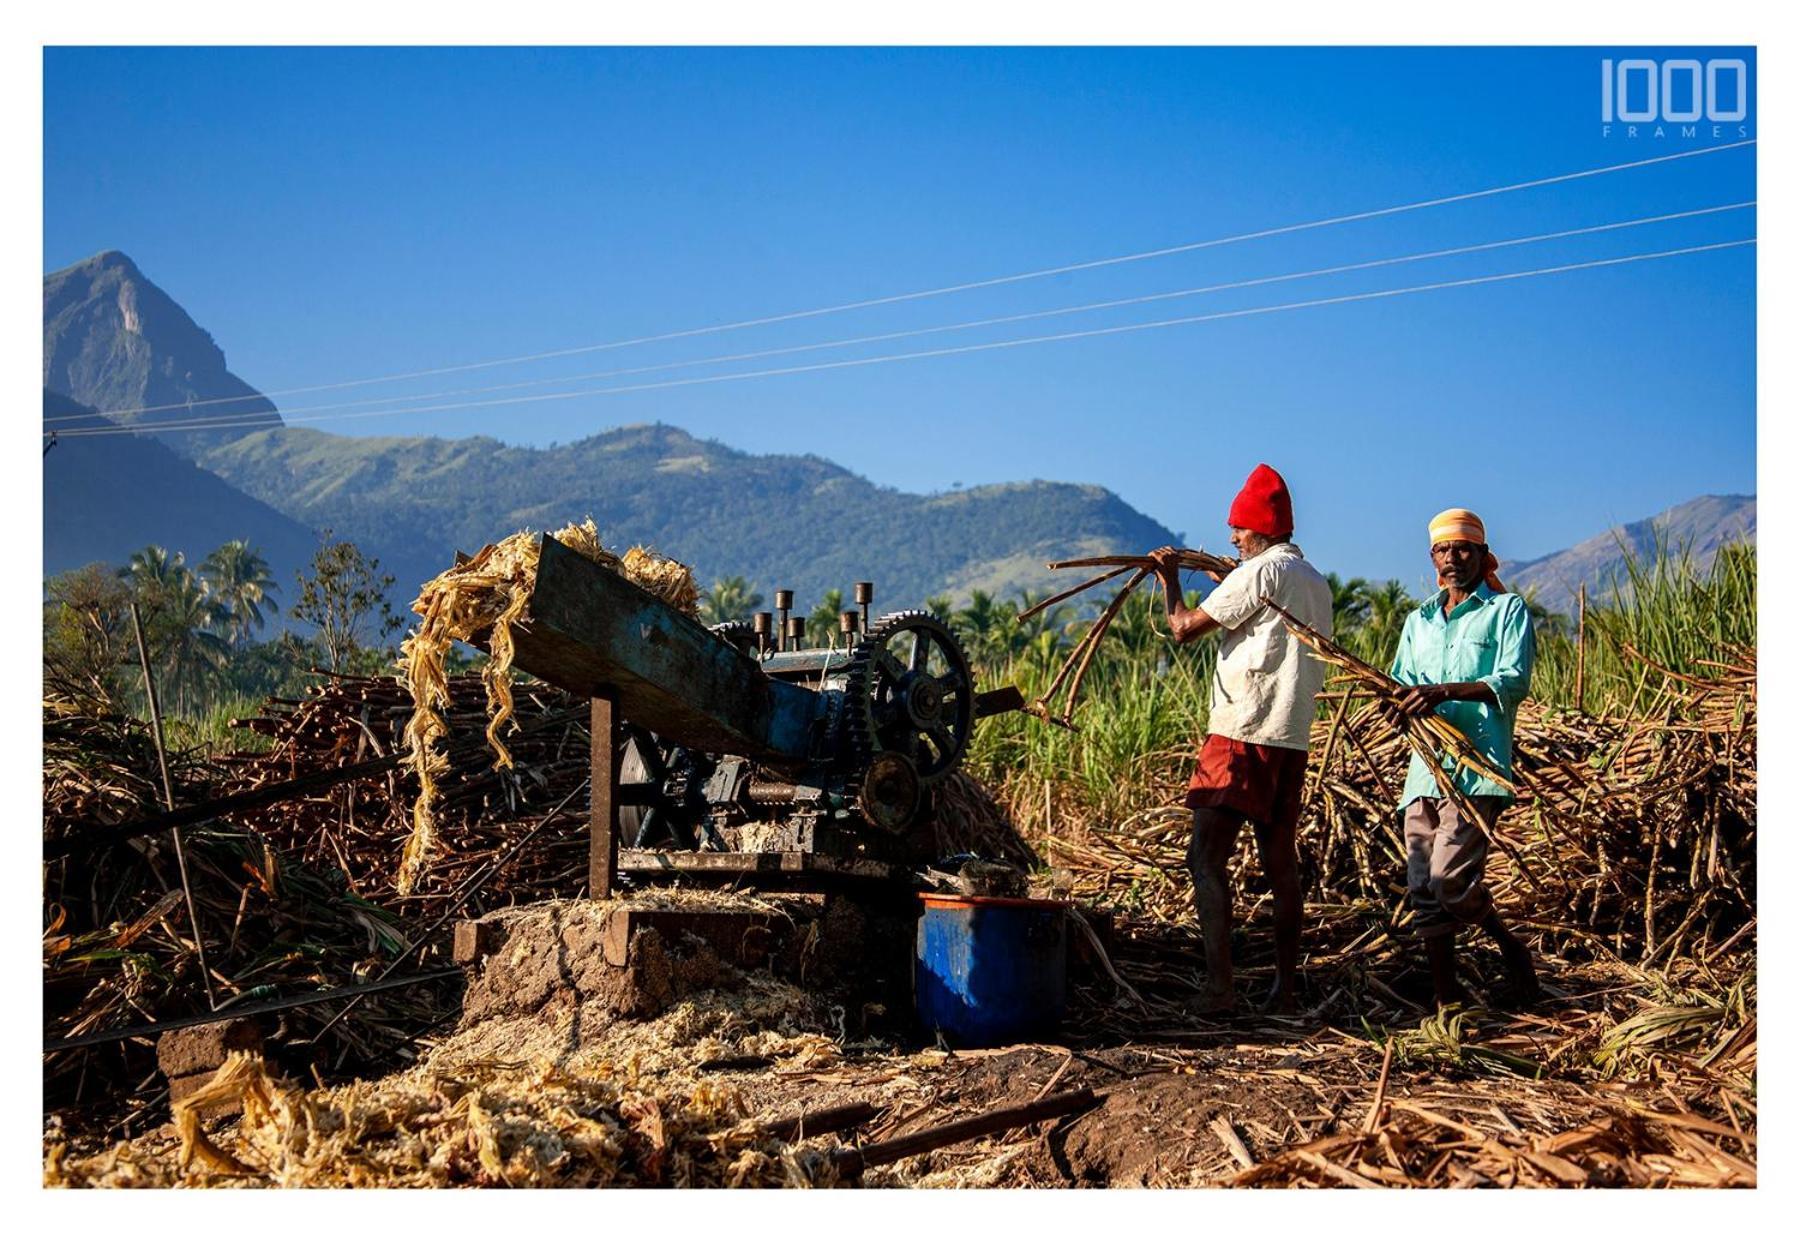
[
  {"x": 114, "y": 341},
  {"x": 780, "y": 520},
  {"x": 107, "y": 497},
  {"x": 1699, "y": 527}
]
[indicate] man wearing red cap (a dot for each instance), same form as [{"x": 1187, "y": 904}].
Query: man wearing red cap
[
  {"x": 1253, "y": 763},
  {"x": 1466, "y": 654}
]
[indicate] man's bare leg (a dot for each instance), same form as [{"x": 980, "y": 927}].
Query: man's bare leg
[
  {"x": 1280, "y": 862},
  {"x": 1440, "y": 951},
  {"x": 1521, "y": 989},
  {"x": 1209, "y": 851}
]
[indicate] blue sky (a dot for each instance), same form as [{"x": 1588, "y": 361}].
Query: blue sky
[{"x": 335, "y": 214}]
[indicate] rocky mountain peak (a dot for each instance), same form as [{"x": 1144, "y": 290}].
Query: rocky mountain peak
[{"x": 116, "y": 342}]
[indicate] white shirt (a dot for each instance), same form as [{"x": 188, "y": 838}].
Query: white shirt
[{"x": 1267, "y": 683}]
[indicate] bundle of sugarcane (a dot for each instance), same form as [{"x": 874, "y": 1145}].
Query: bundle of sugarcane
[
  {"x": 1432, "y": 737},
  {"x": 1075, "y": 666},
  {"x": 490, "y": 592}
]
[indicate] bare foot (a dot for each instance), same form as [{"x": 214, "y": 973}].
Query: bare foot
[{"x": 1521, "y": 989}]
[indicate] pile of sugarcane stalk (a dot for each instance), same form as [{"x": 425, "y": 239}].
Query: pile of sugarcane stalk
[
  {"x": 1068, "y": 678},
  {"x": 99, "y": 770},
  {"x": 118, "y": 951},
  {"x": 292, "y": 895},
  {"x": 360, "y": 828},
  {"x": 1631, "y": 837}
]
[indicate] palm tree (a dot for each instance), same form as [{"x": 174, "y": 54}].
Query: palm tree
[
  {"x": 180, "y": 622},
  {"x": 989, "y": 628},
  {"x": 238, "y": 578},
  {"x": 151, "y": 569},
  {"x": 822, "y": 623},
  {"x": 731, "y": 600},
  {"x": 193, "y": 652},
  {"x": 1040, "y": 635},
  {"x": 1349, "y": 604},
  {"x": 1136, "y": 631},
  {"x": 1388, "y": 606}
]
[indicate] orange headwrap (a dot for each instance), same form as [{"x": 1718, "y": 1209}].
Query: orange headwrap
[{"x": 1459, "y": 524}]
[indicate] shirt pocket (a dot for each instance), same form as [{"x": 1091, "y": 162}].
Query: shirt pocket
[
  {"x": 1473, "y": 656},
  {"x": 1263, "y": 652}
]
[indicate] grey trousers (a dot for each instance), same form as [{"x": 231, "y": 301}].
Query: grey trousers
[{"x": 1446, "y": 855}]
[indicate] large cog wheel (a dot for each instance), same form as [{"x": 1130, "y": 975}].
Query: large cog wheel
[{"x": 910, "y": 692}]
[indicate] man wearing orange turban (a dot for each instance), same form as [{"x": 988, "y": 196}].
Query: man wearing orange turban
[
  {"x": 1252, "y": 765},
  {"x": 1467, "y": 654}
]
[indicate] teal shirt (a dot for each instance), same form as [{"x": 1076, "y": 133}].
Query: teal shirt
[{"x": 1488, "y": 638}]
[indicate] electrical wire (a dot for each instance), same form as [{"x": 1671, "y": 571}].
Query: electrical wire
[
  {"x": 891, "y": 336},
  {"x": 975, "y": 285},
  {"x": 968, "y": 348}
]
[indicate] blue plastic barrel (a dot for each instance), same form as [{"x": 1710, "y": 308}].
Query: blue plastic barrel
[{"x": 990, "y": 970}]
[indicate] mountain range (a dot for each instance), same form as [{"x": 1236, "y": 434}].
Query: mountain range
[
  {"x": 1695, "y": 528},
  {"x": 122, "y": 349},
  {"x": 119, "y": 350}
]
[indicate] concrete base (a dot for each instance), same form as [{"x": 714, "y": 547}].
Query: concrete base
[{"x": 635, "y": 958}]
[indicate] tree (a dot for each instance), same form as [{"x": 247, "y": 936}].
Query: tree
[
  {"x": 1388, "y": 606},
  {"x": 193, "y": 652},
  {"x": 1548, "y": 623},
  {"x": 239, "y": 579},
  {"x": 822, "y": 622},
  {"x": 150, "y": 570},
  {"x": 181, "y": 623},
  {"x": 345, "y": 598},
  {"x": 87, "y": 638},
  {"x": 731, "y": 600},
  {"x": 986, "y": 627},
  {"x": 1349, "y": 603}
]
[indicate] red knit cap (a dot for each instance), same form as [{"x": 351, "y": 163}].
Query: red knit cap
[{"x": 1263, "y": 505}]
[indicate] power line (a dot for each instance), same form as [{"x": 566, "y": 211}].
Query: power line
[
  {"x": 997, "y": 281},
  {"x": 991, "y": 346},
  {"x": 891, "y": 336}
]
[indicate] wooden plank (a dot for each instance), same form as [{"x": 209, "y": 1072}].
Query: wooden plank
[
  {"x": 593, "y": 631},
  {"x": 603, "y": 798},
  {"x": 741, "y": 936}
]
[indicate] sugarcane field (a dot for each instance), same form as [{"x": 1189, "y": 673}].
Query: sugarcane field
[
  {"x": 709, "y": 1023},
  {"x": 808, "y": 616}
]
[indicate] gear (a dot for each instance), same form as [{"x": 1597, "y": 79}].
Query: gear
[
  {"x": 909, "y": 692},
  {"x": 740, "y": 635}
]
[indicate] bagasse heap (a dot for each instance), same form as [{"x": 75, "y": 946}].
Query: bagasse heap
[{"x": 490, "y": 591}]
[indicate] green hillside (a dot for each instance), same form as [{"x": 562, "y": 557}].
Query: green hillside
[{"x": 780, "y": 520}]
